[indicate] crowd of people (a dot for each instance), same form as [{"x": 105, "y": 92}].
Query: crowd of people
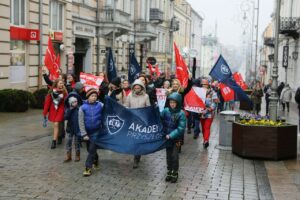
[{"x": 68, "y": 101}]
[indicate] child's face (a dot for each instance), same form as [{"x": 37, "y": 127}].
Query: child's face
[
  {"x": 92, "y": 98},
  {"x": 137, "y": 88},
  {"x": 74, "y": 104},
  {"x": 173, "y": 104}
]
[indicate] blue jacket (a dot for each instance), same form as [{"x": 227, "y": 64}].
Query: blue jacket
[
  {"x": 92, "y": 116},
  {"x": 72, "y": 116},
  {"x": 174, "y": 120}
]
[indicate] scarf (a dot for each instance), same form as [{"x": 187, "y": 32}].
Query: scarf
[{"x": 57, "y": 96}]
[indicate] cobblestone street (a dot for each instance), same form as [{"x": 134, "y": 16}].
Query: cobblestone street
[{"x": 29, "y": 170}]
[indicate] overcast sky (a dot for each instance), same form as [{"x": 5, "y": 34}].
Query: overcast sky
[{"x": 228, "y": 15}]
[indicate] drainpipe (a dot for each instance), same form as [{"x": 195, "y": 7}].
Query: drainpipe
[
  {"x": 40, "y": 82},
  {"x": 98, "y": 38}
]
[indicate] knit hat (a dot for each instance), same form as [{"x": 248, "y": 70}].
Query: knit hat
[
  {"x": 91, "y": 91},
  {"x": 116, "y": 81},
  {"x": 78, "y": 86},
  {"x": 72, "y": 100}
]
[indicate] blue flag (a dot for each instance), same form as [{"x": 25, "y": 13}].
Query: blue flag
[
  {"x": 222, "y": 73},
  {"x": 111, "y": 67},
  {"x": 130, "y": 131},
  {"x": 134, "y": 68}
]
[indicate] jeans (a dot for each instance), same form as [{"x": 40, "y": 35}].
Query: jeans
[
  {"x": 172, "y": 158},
  {"x": 92, "y": 154},
  {"x": 70, "y": 141},
  {"x": 267, "y": 106},
  {"x": 196, "y": 118}
]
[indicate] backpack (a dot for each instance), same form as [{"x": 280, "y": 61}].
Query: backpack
[{"x": 297, "y": 96}]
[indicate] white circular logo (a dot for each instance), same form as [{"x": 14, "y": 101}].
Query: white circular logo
[
  {"x": 225, "y": 69},
  {"x": 132, "y": 69}
]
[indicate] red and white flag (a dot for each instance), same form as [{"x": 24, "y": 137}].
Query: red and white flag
[
  {"x": 182, "y": 72},
  {"x": 226, "y": 92},
  {"x": 90, "y": 81},
  {"x": 51, "y": 61},
  {"x": 240, "y": 81},
  {"x": 194, "y": 101}
]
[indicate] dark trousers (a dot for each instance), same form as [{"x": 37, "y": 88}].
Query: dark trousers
[
  {"x": 267, "y": 106},
  {"x": 92, "y": 154},
  {"x": 172, "y": 158},
  {"x": 70, "y": 141},
  {"x": 299, "y": 116},
  {"x": 137, "y": 158},
  {"x": 61, "y": 128},
  {"x": 196, "y": 119},
  {"x": 190, "y": 121},
  {"x": 287, "y": 105}
]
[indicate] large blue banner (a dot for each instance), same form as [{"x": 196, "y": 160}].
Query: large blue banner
[
  {"x": 222, "y": 73},
  {"x": 130, "y": 131}
]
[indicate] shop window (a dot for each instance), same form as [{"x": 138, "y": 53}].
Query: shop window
[
  {"x": 17, "y": 12},
  {"x": 17, "y": 62},
  {"x": 56, "y": 16}
]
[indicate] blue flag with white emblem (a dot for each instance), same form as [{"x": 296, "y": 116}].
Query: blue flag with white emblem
[
  {"x": 130, "y": 131},
  {"x": 222, "y": 73},
  {"x": 134, "y": 68},
  {"x": 111, "y": 67}
]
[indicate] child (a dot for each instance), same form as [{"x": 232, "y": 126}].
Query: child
[
  {"x": 174, "y": 122},
  {"x": 54, "y": 107},
  {"x": 90, "y": 117},
  {"x": 72, "y": 103}
]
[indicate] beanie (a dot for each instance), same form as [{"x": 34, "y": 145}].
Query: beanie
[
  {"x": 91, "y": 91},
  {"x": 78, "y": 86},
  {"x": 116, "y": 81}
]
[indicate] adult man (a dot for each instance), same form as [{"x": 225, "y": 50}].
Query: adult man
[{"x": 267, "y": 91}]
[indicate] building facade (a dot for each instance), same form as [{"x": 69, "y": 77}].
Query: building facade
[{"x": 81, "y": 32}]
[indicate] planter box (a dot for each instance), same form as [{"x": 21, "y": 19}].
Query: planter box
[{"x": 274, "y": 143}]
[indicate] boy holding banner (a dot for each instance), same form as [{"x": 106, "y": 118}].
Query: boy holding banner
[{"x": 174, "y": 123}]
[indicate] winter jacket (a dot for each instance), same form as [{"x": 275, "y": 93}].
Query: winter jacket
[
  {"x": 286, "y": 95},
  {"x": 55, "y": 113},
  {"x": 71, "y": 114},
  {"x": 137, "y": 101},
  {"x": 118, "y": 95},
  {"x": 174, "y": 120},
  {"x": 151, "y": 91},
  {"x": 209, "y": 104},
  {"x": 267, "y": 91},
  {"x": 90, "y": 117},
  {"x": 256, "y": 96}
]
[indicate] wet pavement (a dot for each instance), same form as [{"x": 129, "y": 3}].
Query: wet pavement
[{"x": 30, "y": 170}]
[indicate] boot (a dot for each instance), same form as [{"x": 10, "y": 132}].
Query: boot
[
  {"x": 59, "y": 140},
  {"x": 169, "y": 176},
  {"x": 135, "y": 163},
  {"x": 53, "y": 144},
  {"x": 77, "y": 157},
  {"x": 174, "y": 176},
  {"x": 68, "y": 156}
]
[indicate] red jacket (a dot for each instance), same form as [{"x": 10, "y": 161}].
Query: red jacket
[{"x": 55, "y": 115}]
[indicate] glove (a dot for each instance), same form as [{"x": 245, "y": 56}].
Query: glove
[{"x": 45, "y": 122}]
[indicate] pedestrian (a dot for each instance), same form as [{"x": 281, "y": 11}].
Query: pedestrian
[
  {"x": 90, "y": 117},
  {"x": 267, "y": 91},
  {"x": 166, "y": 85},
  {"x": 256, "y": 96},
  {"x": 286, "y": 97},
  {"x": 138, "y": 98},
  {"x": 151, "y": 91},
  {"x": 54, "y": 107},
  {"x": 71, "y": 81},
  {"x": 126, "y": 87},
  {"x": 72, "y": 104},
  {"x": 115, "y": 90},
  {"x": 79, "y": 89},
  {"x": 174, "y": 123},
  {"x": 297, "y": 99},
  {"x": 280, "y": 88}
]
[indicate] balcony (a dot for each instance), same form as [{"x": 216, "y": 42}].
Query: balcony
[
  {"x": 289, "y": 26},
  {"x": 156, "y": 15},
  {"x": 270, "y": 42},
  {"x": 145, "y": 31},
  {"x": 121, "y": 24}
]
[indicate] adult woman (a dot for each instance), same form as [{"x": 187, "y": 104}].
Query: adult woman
[
  {"x": 256, "y": 97},
  {"x": 138, "y": 98},
  {"x": 54, "y": 107},
  {"x": 286, "y": 97},
  {"x": 115, "y": 90}
]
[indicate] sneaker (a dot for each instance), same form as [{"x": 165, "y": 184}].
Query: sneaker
[
  {"x": 87, "y": 172},
  {"x": 96, "y": 165},
  {"x": 169, "y": 176},
  {"x": 174, "y": 177}
]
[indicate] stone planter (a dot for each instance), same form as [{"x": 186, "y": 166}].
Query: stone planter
[{"x": 272, "y": 143}]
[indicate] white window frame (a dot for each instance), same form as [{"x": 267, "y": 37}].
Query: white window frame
[
  {"x": 51, "y": 5},
  {"x": 12, "y": 14}
]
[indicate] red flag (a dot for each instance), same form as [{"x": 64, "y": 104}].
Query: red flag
[
  {"x": 51, "y": 61},
  {"x": 239, "y": 80},
  {"x": 151, "y": 70},
  {"x": 157, "y": 71},
  {"x": 182, "y": 72},
  {"x": 227, "y": 92},
  {"x": 194, "y": 101}
]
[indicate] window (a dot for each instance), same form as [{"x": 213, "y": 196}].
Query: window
[
  {"x": 56, "y": 16},
  {"x": 17, "y": 12},
  {"x": 17, "y": 61}
]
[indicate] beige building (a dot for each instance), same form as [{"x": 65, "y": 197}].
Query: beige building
[{"x": 81, "y": 32}]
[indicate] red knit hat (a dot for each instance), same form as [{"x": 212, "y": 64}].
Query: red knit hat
[{"x": 91, "y": 91}]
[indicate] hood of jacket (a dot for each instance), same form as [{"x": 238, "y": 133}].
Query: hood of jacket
[
  {"x": 176, "y": 97},
  {"x": 140, "y": 83}
]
